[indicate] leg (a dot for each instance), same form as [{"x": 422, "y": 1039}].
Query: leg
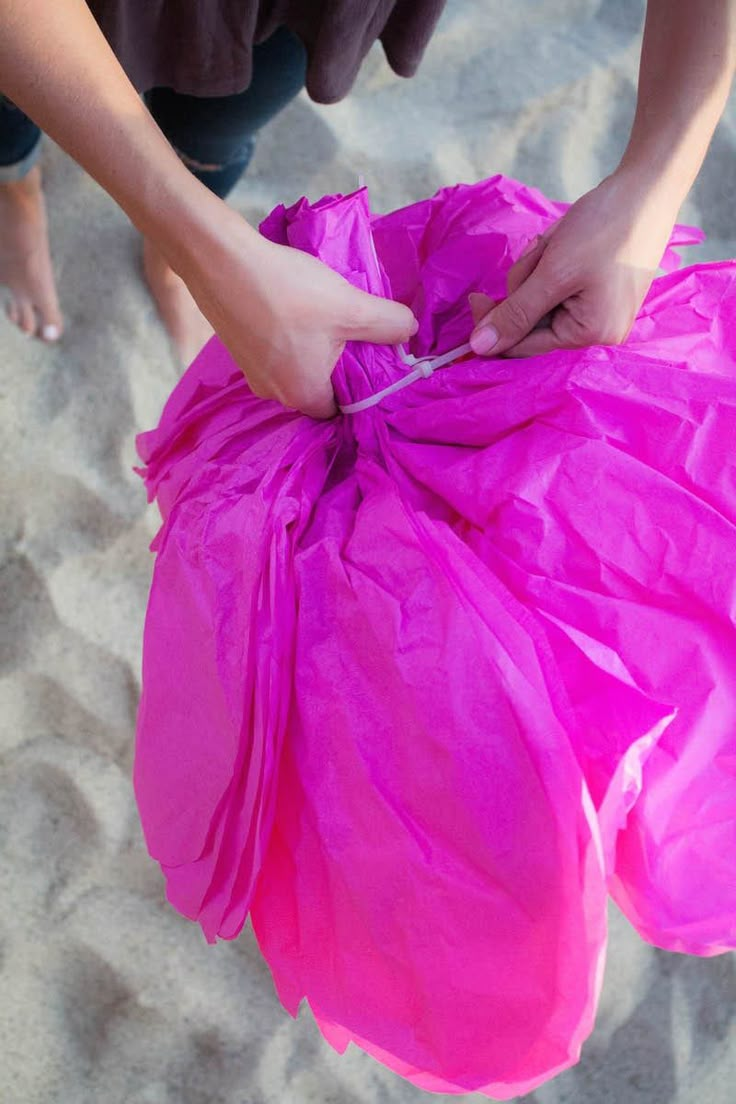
[
  {"x": 25, "y": 259},
  {"x": 215, "y": 138}
]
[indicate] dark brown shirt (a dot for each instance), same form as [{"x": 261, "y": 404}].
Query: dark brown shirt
[{"x": 204, "y": 47}]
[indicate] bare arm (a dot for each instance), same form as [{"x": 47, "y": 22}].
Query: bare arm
[
  {"x": 688, "y": 61},
  {"x": 56, "y": 65},
  {"x": 595, "y": 266},
  {"x": 284, "y": 316}
]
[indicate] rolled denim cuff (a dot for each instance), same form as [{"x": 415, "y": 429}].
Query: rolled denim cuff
[{"x": 21, "y": 168}]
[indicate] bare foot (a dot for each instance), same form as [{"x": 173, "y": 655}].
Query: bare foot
[
  {"x": 186, "y": 325},
  {"x": 25, "y": 260}
]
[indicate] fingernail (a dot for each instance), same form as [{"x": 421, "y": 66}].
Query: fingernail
[
  {"x": 484, "y": 340},
  {"x": 50, "y": 332},
  {"x": 531, "y": 244}
]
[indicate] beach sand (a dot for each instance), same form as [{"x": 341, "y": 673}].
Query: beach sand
[{"x": 107, "y": 994}]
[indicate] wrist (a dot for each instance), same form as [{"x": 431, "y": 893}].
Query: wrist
[
  {"x": 638, "y": 214},
  {"x": 648, "y": 188},
  {"x": 664, "y": 155},
  {"x": 193, "y": 227}
]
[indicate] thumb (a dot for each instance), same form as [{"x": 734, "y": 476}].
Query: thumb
[
  {"x": 480, "y": 304},
  {"x": 515, "y": 317},
  {"x": 382, "y": 321},
  {"x": 522, "y": 269}
]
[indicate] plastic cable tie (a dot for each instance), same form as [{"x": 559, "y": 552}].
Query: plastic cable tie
[{"x": 422, "y": 368}]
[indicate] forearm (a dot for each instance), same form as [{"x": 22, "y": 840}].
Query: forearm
[
  {"x": 56, "y": 65},
  {"x": 687, "y": 66}
]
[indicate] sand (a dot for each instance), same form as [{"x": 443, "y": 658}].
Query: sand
[{"x": 108, "y": 995}]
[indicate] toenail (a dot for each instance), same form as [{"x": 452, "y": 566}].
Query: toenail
[{"x": 50, "y": 332}]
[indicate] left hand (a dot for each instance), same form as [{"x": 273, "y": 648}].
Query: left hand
[{"x": 589, "y": 273}]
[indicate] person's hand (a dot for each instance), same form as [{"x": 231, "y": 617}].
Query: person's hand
[
  {"x": 284, "y": 316},
  {"x": 584, "y": 279}
]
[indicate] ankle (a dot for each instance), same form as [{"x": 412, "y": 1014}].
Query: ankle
[{"x": 28, "y": 188}]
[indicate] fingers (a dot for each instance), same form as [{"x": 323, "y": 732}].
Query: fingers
[
  {"x": 480, "y": 305},
  {"x": 316, "y": 400},
  {"x": 305, "y": 385},
  {"x": 537, "y": 343},
  {"x": 371, "y": 318},
  {"x": 511, "y": 320},
  {"x": 320, "y": 408},
  {"x": 527, "y": 262},
  {"x": 565, "y": 331}
]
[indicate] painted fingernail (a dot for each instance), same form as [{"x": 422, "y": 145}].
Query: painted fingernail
[
  {"x": 484, "y": 340},
  {"x": 50, "y": 332}
]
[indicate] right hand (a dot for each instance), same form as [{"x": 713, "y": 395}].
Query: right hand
[
  {"x": 285, "y": 316},
  {"x": 588, "y": 274}
]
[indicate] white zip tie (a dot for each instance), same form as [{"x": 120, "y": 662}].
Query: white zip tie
[{"x": 422, "y": 368}]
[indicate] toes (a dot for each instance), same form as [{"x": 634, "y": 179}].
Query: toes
[
  {"x": 51, "y": 323},
  {"x": 49, "y": 313},
  {"x": 51, "y": 332},
  {"x": 22, "y": 314},
  {"x": 27, "y": 317}
]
